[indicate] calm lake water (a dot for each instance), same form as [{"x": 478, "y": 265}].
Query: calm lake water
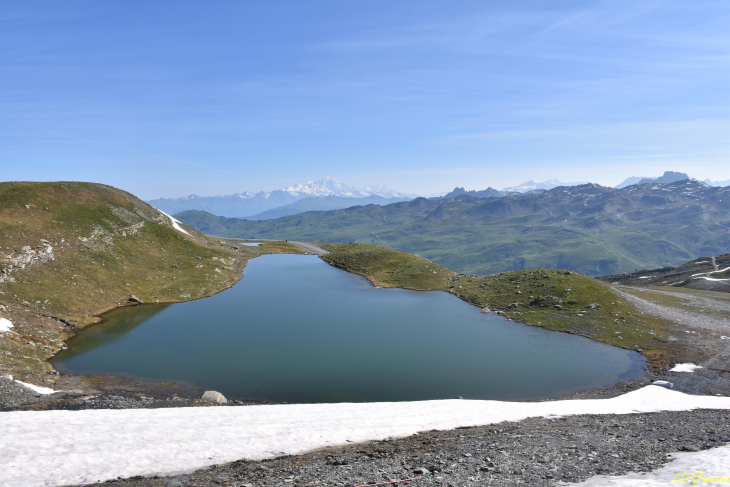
[{"x": 295, "y": 329}]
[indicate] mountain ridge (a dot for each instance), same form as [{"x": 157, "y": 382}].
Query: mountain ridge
[
  {"x": 248, "y": 203},
  {"x": 591, "y": 229},
  {"x": 323, "y": 203}
]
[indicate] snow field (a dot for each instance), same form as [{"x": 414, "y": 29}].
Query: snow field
[{"x": 76, "y": 447}]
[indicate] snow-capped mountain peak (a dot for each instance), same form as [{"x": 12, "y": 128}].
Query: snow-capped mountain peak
[
  {"x": 324, "y": 187},
  {"x": 546, "y": 185},
  {"x": 249, "y": 203},
  {"x": 329, "y": 186}
]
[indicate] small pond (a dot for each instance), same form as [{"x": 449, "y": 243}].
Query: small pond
[{"x": 295, "y": 329}]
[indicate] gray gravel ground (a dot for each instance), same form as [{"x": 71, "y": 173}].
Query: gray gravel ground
[
  {"x": 534, "y": 452},
  {"x": 14, "y": 395},
  {"x": 681, "y": 316},
  {"x": 699, "y": 333}
]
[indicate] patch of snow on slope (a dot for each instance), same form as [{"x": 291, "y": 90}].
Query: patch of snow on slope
[
  {"x": 5, "y": 325},
  {"x": 175, "y": 223},
  {"x": 712, "y": 463},
  {"x": 685, "y": 368},
  {"x": 37, "y": 389},
  {"x": 75, "y": 447}
]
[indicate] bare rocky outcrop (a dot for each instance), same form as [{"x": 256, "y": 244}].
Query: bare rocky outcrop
[{"x": 24, "y": 258}]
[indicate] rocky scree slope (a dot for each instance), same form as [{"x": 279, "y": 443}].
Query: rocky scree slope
[
  {"x": 70, "y": 251},
  {"x": 588, "y": 229},
  {"x": 705, "y": 273}
]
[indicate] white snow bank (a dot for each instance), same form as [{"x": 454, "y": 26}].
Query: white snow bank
[
  {"x": 685, "y": 368},
  {"x": 76, "y": 447},
  {"x": 175, "y": 223},
  {"x": 720, "y": 270},
  {"x": 5, "y": 325},
  {"x": 34, "y": 388},
  {"x": 713, "y": 463},
  {"x": 713, "y": 279}
]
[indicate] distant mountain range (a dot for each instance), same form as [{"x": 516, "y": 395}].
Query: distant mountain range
[
  {"x": 329, "y": 194},
  {"x": 324, "y": 203},
  {"x": 588, "y": 228},
  {"x": 667, "y": 177},
  {"x": 528, "y": 186},
  {"x": 717, "y": 183},
  {"x": 247, "y": 203},
  {"x": 485, "y": 193}
]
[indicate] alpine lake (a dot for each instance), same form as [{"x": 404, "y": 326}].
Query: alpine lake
[{"x": 296, "y": 330}]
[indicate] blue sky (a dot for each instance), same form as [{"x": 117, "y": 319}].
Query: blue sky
[{"x": 173, "y": 98}]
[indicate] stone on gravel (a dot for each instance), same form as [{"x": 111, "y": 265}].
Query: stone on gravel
[{"x": 214, "y": 396}]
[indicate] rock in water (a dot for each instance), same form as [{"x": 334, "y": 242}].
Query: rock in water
[
  {"x": 213, "y": 396},
  {"x": 486, "y": 310}
]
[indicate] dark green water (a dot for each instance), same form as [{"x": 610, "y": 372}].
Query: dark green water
[{"x": 295, "y": 329}]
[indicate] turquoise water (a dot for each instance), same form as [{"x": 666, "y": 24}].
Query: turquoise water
[{"x": 295, "y": 329}]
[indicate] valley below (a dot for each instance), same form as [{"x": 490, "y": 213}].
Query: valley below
[{"x": 111, "y": 276}]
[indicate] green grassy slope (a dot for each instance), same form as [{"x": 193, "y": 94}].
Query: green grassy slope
[
  {"x": 70, "y": 251},
  {"x": 554, "y": 299},
  {"x": 588, "y": 229}
]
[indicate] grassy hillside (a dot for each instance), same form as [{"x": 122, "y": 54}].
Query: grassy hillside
[
  {"x": 73, "y": 250},
  {"x": 554, "y": 299},
  {"x": 323, "y": 203},
  {"x": 588, "y": 229}
]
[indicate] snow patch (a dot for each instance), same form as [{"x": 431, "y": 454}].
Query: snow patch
[
  {"x": 37, "y": 389},
  {"x": 5, "y": 325},
  {"x": 712, "y": 463},
  {"x": 685, "y": 368},
  {"x": 712, "y": 279},
  {"x": 721, "y": 270},
  {"x": 76, "y": 447},
  {"x": 175, "y": 223}
]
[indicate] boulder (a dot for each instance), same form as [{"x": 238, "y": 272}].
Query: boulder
[
  {"x": 486, "y": 310},
  {"x": 214, "y": 397},
  {"x": 663, "y": 383},
  {"x": 135, "y": 299}
]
